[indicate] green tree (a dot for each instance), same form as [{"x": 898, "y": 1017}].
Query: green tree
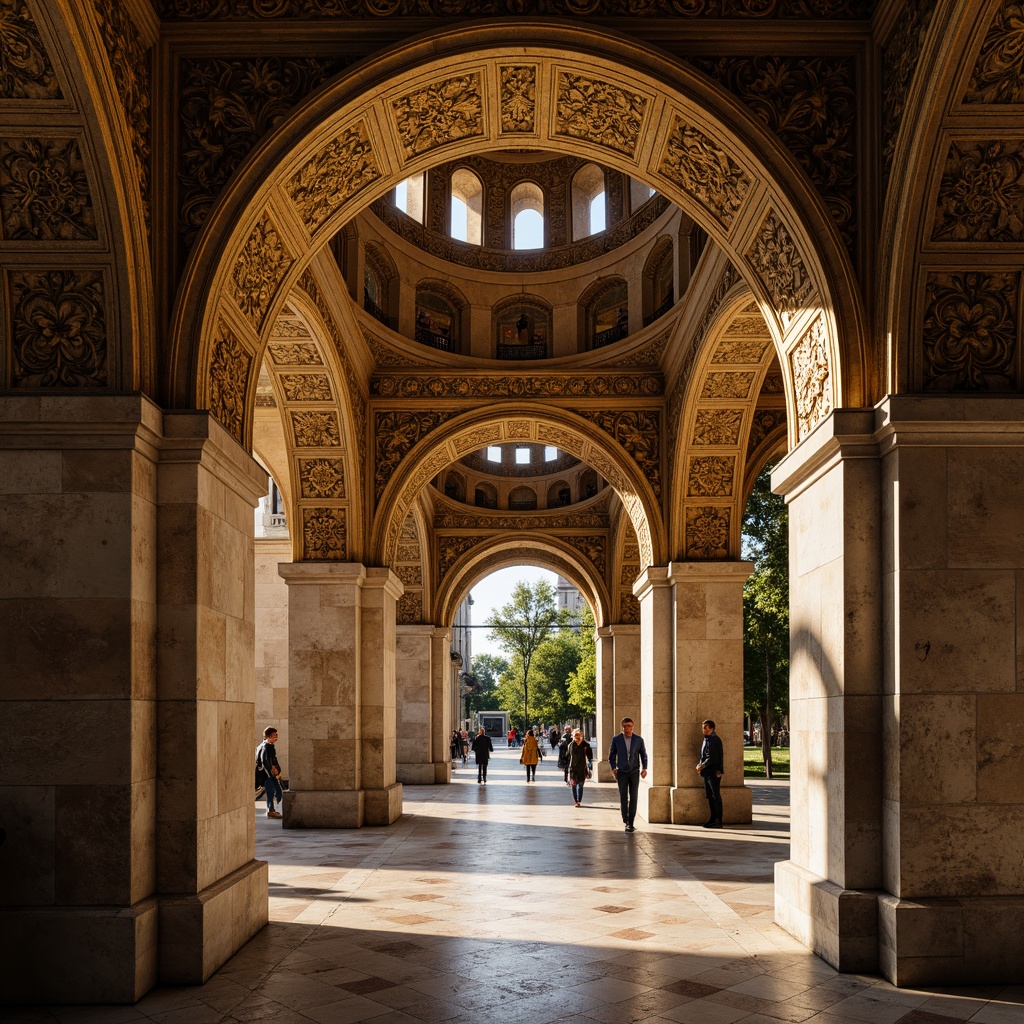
[
  {"x": 487, "y": 669},
  {"x": 555, "y": 662},
  {"x": 582, "y": 689},
  {"x": 766, "y": 610},
  {"x": 520, "y": 628}
]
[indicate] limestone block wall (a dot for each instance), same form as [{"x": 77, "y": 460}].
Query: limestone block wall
[
  {"x": 413, "y": 705},
  {"x": 272, "y": 644}
]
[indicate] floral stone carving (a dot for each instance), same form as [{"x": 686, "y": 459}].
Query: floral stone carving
[
  {"x": 777, "y": 261},
  {"x": 711, "y": 476},
  {"x": 44, "y": 191},
  {"x": 743, "y": 350},
  {"x": 316, "y": 429},
  {"x": 295, "y": 354},
  {"x": 981, "y": 198},
  {"x": 707, "y": 532},
  {"x": 25, "y": 69},
  {"x": 324, "y": 534},
  {"x": 450, "y": 549},
  {"x": 306, "y": 387},
  {"x": 599, "y": 112},
  {"x": 262, "y": 265},
  {"x": 693, "y": 161},
  {"x": 444, "y": 112},
  {"x": 638, "y": 433},
  {"x": 322, "y": 478},
  {"x": 594, "y": 549},
  {"x": 998, "y": 77},
  {"x": 229, "y": 381},
  {"x": 970, "y": 332},
  {"x": 764, "y": 423},
  {"x": 59, "y": 329},
  {"x": 410, "y": 608},
  {"x": 717, "y": 427},
  {"x": 810, "y": 364},
  {"x": 396, "y": 434},
  {"x": 621, "y": 385},
  {"x": 727, "y": 385},
  {"x": 518, "y": 97}
]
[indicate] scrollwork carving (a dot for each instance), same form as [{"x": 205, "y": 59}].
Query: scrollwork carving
[
  {"x": 316, "y": 429},
  {"x": 998, "y": 76},
  {"x": 711, "y": 476},
  {"x": 518, "y": 97},
  {"x": 295, "y": 354},
  {"x": 639, "y": 433},
  {"x": 593, "y": 548},
  {"x": 322, "y": 478},
  {"x": 413, "y": 385},
  {"x": 443, "y": 112},
  {"x": 324, "y": 534},
  {"x": 707, "y": 532},
  {"x": 25, "y": 69},
  {"x": 981, "y": 197},
  {"x": 449, "y": 518},
  {"x": 810, "y": 366},
  {"x": 259, "y": 270},
  {"x": 229, "y": 381},
  {"x": 727, "y": 385},
  {"x": 306, "y": 387},
  {"x": 777, "y": 261},
  {"x": 742, "y": 350},
  {"x": 599, "y": 112},
  {"x": 717, "y": 427},
  {"x": 450, "y": 549},
  {"x": 396, "y": 434},
  {"x": 59, "y": 329},
  {"x": 410, "y": 608}
]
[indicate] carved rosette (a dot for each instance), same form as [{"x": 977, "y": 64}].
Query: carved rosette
[
  {"x": 321, "y": 478},
  {"x": 711, "y": 476},
  {"x": 324, "y": 535},
  {"x": 594, "y": 549},
  {"x": 727, "y": 385},
  {"x": 262, "y": 265},
  {"x": 446, "y": 111},
  {"x": 639, "y": 433},
  {"x": 810, "y": 368},
  {"x": 25, "y": 69},
  {"x": 316, "y": 429},
  {"x": 518, "y": 98},
  {"x": 717, "y": 427},
  {"x": 622, "y": 385},
  {"x": 981, "y": 198},
  {"x": 306, "y": 387},
  {"x": 970, "y": 332},
  {"x": 229, "y": 381},
  {"x": 777, "y": 261},
  {"x": 44, "y": 191},
  {"x": 396, "y": 434},
  {"x": 59, "y": 329},
  {"x": 295, "y": 354},
  {"x": 707, "y": 532},
  {"x": 599, "y": 112},
  {"x": 345, "y": 166},
  {"x": 998, "y": 76},
  {"x": 705, "y": 171}
]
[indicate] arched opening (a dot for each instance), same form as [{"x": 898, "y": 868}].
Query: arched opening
[
  {"x": 526, "y": 207},
  {"x": 410, "y": 196},
  {"x": 438, "y": 318},
  {"x": 588, "y": 201},
  {"x": 467, "y": 197},
  {"x": 604, "y": 309}
]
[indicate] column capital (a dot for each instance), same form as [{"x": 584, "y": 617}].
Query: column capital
[
  {"x": 710, "y": 572},
  {"x": 352, "y": 574},
  {"x": 653, "y": 577}
]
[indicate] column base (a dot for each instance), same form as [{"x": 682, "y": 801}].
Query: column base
[
  {"x": 839, "y": 925},
  {"x": 383, "y": 806},
  {"x": 690, "y": 806},
  {"x": 967, "y": 941},
  {"x": 655, "y": 804},
  {"x": 79, "y": 954},
  {"x": 199, "y": 933},
  {"x": 604, "y": 773},
  {"x": 442, "y": 773},
  {"x": 323, "y": 808},
  {"x": 421, "y": 773}
]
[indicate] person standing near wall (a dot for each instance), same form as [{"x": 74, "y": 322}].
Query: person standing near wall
[
  {"x": 711, "y": 768},
  {"x": 266, "y": 758}
]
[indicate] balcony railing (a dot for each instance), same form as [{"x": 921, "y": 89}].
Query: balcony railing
[
  {"x": 375, "y": 311},
  {"x": 522, "y": 505},
  {"x": 613, "y": 334},
  {"x": 482, "y": 502},
  {"x": 515, "y": 351},
  {"x": 434, "y": 340},
  {"x": 661, "y": 310}
]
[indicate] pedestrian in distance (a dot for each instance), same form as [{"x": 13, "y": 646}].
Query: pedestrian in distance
[
  {"x": 482, "y": 749},
  {"x": 581, "y": 765},
  {"x": 530, "y": 756},
  {"x": 267, "y": 763},
  {"x": 627, "y": 759},
  {"x": 563, "y": 755},
  {"x": 710, "y": 768},
  {"x": 465, "y": 747}
]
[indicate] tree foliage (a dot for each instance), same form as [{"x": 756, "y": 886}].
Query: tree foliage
[
  {"x": 488, "y": 670},
  {"x": 766, "y": 610}
]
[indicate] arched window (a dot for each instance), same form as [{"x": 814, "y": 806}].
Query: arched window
[
  {"x": 379, "y": 285},
  {"x": 588, "y": 484},
  {"x": 588, "y": 201},
  {"x": 438, "y": 318},
  {"x": 522, "y": 499},
  {"x": 527, "y": 209},
  {"x": 455, "y": 486},
  {"x": 409, "y": 196},
  {"x": 523, "y": 327},
  {"x": 559, "y": 494},
  {"x": 486, "y": 496},
  {"x": 467, "y": 207},
  {"x": 659, "y": 281},
  {"x": 605, "y": 312}
]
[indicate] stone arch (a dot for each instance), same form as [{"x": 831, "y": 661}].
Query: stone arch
[
  {"x": 646, "y": 116},
  {"x": 509, "y": 422}
]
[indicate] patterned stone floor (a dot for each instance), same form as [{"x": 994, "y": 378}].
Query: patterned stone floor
[{"x": 503, "y": 903}]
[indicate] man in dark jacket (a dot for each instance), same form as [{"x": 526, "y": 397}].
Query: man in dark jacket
[
  {"x": 627, "y": 758},
  {"x": 266, "y": 759},
  {"x": 482, "y": 748},
  {"x": 710, "y": 768}
]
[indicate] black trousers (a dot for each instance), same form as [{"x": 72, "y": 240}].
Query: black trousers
[
  {"x": 629, "y": 787},
  {"x": 713, "y": 792},
  {"x": 481, "y": 771}
]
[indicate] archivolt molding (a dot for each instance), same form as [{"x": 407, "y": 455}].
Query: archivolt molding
[{"x": 629, "y": 109}]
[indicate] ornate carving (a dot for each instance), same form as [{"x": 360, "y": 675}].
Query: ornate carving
[
  {"x": 262, "y": 265},
  {"x": 316, "y": 429},
  {"x": 448, "y": 517},
  {"x": 766, "y": 422},
  {"x": 711, "y": 476},
  {"x": 129, "y": 61},
  {"x": 450, "y": 549},
  {"x": 704, "y": 171},
  {"x": 340, "y": 170},
  {"x": 467, "y": 444},
  {"x": 59, "y": 329},
  {"x": 295, "y": 354},
  {"x": 415, "y": 385},
  {"x": 44, "y": 192},
  {"x": 774, "y": 384},
  {"x": 226, "y": 107},
  {"x": 410, "y": 608},
  {"x": 229, "y": 380},
  {"x": 410, "y": 575},
  {"x": 593, "y": 548},
  {"x": 443, "y": 112},
  {"x": 629, "y": 607},
  {"x": 717, "y": 427},
  {"x": 810, "y": 367},
  {"x": 519, "y": 430},
  {"x": 777, "y": 261},
  {"x": 322, "y": 478},
  {"x": 25, "y": 69},
  {"x": 970, "y": 332},
  {"x": 599, "y": 112},
  {"x": 742, "y": 350},
  {"x": 707, "y": 532},
  {"x": 518, "y": 97},
  {"x": 560, "y": 438},
  {"x": 324, "y": 534},
  {"x": 981, "y": 198},
  {"x": 288, "y": 328},
  {"x": 998, "y": 77},
  {"x": 306, "y": 387},
  {"x": 639, "y": 434},
  {"x": 396, "y": 434},
  {"x": 727, "y": 385},
  {"x": 650, "y": 354}
]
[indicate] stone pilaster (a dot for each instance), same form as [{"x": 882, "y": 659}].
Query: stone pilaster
[
  {"x": 443, "y": 710},
  {"x": 414, "y": 686},
  {"x": 342, "y": 641},
  {"x": 619, "y": 675}
]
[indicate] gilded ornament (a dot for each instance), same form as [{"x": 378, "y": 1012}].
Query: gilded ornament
[
  {"x": 322, "y": 478},
  {"x": 810, "y": 366},
  {"x": 717, "y": 427},
  {"x": 396, "y": 434},
  {"x": 743, "y": 350},
  {"x": 599, "y": 112},
  {"x": 230, "y": 367},
  {"x": 711, "y": 476},
  {"x": 306, "y": 387},
  {"x": 707, "y": 532},
  {"x": 998, "y": 76},
  {"x": 345, "y": 166},
  {"x": 518, "y": 97},
  {"x": 295, "y": 354},
  {"x": 443, "y": 112},
  {"x": 316, "y": 429},
  {"x": 25, "y": 69},
  {"x": 970, "y": 332},
  {"x": 779, "y": 264},
  {"x": 324, "y": 535},
  {"x": 259, "y": 270},
  {"x": 44, "y": 191},
  {"x": 981, "y": 198},
  {"x": 727, "y": 385},
  {"x": 59, "y": 329},
  {"x": 704, "y": 171}
]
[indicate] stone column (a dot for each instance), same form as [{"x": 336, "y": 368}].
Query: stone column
[
  {"x": 341, "y": 695},
  {"x": 605, "y": 644},
  {"x": 414, "y": 712},
  {"x": 708, "y": 605},
  {"x": 832, "y": 484},
  {"x": 618, "y": 660},
  {"x": 272, "y": 644},
  {"x": 442, "y": 712}
]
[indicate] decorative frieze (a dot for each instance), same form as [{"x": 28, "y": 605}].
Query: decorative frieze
[
  {"x": 58, "y": 329},
  {"x": 395, "y": 435},
  {"x": 306, "y": 387},
  {"x": 599, "y": 112},
  {"x": 316, "y": 429},
  {"x": 417, "y": 385},
  {"x": 26, "y": 72},
  {"x": 443, "y": 112},
  {"x": 321, "y": 478},
  {"x": 981, "y": 197},
  {"x": 44, "y": 191},
  {"x": 717, "y": 427},
  {"x": 809, "y": 363},
  {"x": 593, "y": 548},
  {"x": 324, "y": 535},
  {"x": 998, "y": 76},
  {"x": 777, "y": 261},
  {"x": 518, "y": 97},
  {"x": 707, "y": 532},
  {"x": 259, "y": 271},
  {"x": 230, "y": 367},
  {"x": 450, "y": 518},
  {"x": 711, "y": 476},
  {"x": 743, "y": 350}
]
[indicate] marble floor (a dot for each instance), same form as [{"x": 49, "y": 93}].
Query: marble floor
[{"x": 503, "y": 903}]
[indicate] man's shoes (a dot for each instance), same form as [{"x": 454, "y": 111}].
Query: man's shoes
[
  {"x": 708, "y": 823},
  {"x": 274, "y": 814},
  {"x": 629, "y": 828},
  {"x": 712, "y": 824}
]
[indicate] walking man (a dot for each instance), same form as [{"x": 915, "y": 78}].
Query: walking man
[
  {"x": 266, "y": 759},
  {"x": 710, "y": 768},
  {"x": 627, "y": 759},
  {"x": 482, "y": 748}
]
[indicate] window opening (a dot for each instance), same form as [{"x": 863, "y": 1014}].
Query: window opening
[
  {"x": 467, "y": 207},
  {"x": 589, "y": 207},
  {"x": 522, "y": 456},
  {"x": 409, "y": 196},
  {"x": 493, "y": 453},
  {"x": 550, "y": 453},
  {"x": 527, "y": 209}
]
